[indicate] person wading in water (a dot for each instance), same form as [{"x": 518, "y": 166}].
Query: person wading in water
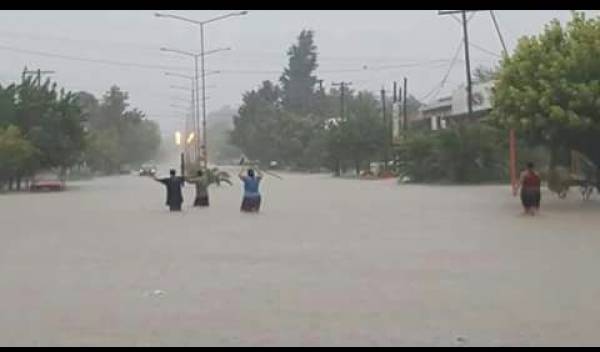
[
  {"x": 251, "y": 200},
  {"x": 201, "y": 182},
  {"x": 174, "y": 184},
  {"x": 530, "y": 183}
]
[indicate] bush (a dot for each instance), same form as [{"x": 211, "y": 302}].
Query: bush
[{"x": 466, "y": 153}]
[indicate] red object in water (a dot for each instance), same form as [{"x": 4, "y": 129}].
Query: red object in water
[
  {"x": 47, "y": 183},
  {"x": 387, "y": 174}
]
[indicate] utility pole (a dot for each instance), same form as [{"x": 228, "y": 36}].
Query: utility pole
[
  {"x": 499, "y": 34},
  {"x": 342, "y": 86},
  {"x": 38, "y": 74},
  {"x": 467, "y": 59},
  {"x": 385, "y": 130},
  {"x": 404, "y": 115},
  {"x": 512, "y": 139},
  {"x": 395, "y": 114},
  {"x": 468, "y": 64}
]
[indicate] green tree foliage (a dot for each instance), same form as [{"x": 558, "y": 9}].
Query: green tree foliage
[
  {"x": 257, "y": 123},
  {"x": 287, "y": 124},
  {"x": 102, "y": 152},
  {"x": 44, "y": 127},
  {"x": 359, "y": 138},
  {"x": 17, "y": 155},
  {"x": 49, "y": 118},
  {"x": 549, "y": 89},
  {"x": 297, "y": 81},
  {"x": 466, "y": 153},
  {"x": 117, "y": 136},
  {"x": 8, "y": 105}
]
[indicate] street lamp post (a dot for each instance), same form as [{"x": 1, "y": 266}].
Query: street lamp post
[
  {"x": 197, "y": 122},
  {"x": 202, "y": 54},
  {"x": 193, "y": 107}
]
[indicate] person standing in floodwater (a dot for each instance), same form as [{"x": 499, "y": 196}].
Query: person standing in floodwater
[
  {"x": 174, "y": 184},
  {"x": 530, "y": 183},
  {"x": 201, "y": 182},
  {"x": 251, "y": 200}
]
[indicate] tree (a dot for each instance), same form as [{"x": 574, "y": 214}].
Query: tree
[
  {"x": 358, "y": 138},
  {"x": 118, "y": 136},
  {"x": 8, "y": 105},
  {"x": 465, "y": 153},
  {"x": 52, "y": 120},
  {"x": 89, "y": 106},
  {"x": 289, "y": 124},
  {"x": 17, "y": 155},
  {"x": 549, "y": 90},
  {"x": 257, "y": 123},
  {"x": 102, "y": 151},
  {"x": 297, "y": 81}
]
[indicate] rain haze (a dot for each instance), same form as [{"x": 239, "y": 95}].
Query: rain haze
[
  {"x": 369, "y": 48},
  {"x": 322, "y": 203}
]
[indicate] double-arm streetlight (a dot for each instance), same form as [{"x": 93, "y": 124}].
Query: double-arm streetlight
[
  {"x": 194, "y": 114},
  {"x": 196, "y": 90},
  {"x": 202, "y": 54}
]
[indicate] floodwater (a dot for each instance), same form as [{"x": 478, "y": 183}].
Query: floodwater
[{"x": 328, "y": 262}]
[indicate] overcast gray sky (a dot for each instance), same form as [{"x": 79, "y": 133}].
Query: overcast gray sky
[{"x": 369, "y": 48}]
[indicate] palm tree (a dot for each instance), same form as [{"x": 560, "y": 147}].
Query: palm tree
[{"x": 214, "y": 175}]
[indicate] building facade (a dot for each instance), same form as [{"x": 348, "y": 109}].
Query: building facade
[{"x": 441, "y": 112}]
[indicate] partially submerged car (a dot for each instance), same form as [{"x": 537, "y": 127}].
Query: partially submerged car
[{"x": 47, "y": 181}]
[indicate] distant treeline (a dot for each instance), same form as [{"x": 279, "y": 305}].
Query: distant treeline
[{"x": 45, "y": 128}]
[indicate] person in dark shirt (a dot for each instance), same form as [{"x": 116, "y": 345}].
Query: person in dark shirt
[{"x": 174, "y": 184}]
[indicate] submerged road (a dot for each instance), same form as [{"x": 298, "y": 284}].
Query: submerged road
[{"x": 328, "y": 262}]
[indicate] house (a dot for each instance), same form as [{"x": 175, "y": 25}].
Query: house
[
  {"x": 441, "y": 112},
  {"x": 437, "y": 112}
]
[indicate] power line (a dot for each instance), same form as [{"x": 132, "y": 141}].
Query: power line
[
  {"x": 440, "y": 85},
  {"x": 63, "y": 39},
  {"x": 476, "y": 46},
  {"x": 164, "y": 67},
  {"x": 97, "y": 61},
  {"x": 483, "y": 49},
  {"x": 505, "y": 51}
]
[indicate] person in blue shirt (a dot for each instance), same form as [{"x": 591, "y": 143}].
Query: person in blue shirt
[{"x": 251, "y": 200}]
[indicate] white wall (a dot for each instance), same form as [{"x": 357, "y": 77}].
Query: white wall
[{"x": 481, "y": 91}]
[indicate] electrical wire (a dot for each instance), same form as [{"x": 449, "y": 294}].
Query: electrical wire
[
  {"x": 438, "y": 87},
  {"x": 97, "y": 61}
]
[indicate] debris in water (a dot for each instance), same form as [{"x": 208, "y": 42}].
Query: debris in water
[{"x": 155, "y": 293}]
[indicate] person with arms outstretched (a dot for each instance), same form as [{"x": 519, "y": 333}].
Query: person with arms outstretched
[
  {"x": 201, "y": 182},
  {"x": 174, "y": 184},
  {"x": 251, "y": 200}
]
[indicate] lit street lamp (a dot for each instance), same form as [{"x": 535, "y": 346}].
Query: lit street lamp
[
  {"x": 202, "y": 54},
  {"x": 197, "y": 105}
]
